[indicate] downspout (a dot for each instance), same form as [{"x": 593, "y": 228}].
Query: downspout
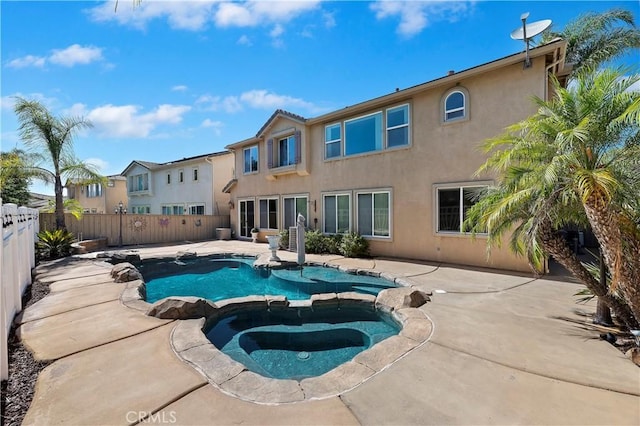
[{"x": 213, "y": 186}]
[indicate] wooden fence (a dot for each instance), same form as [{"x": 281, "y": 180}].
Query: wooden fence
[
  {"x": 139, "y": 229},
  {"x": 17, "y": 258}
]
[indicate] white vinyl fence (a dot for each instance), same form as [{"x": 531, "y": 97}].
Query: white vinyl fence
[{"x": 20, "y": 225}]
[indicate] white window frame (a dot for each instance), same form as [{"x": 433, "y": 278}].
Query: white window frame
[
  {"x": 192, "y": 206},
  {"x": 295, "y": 198},
  {"x": 357, "y": 209},
  {"x": 336, "y": 194},
  {"x": 290, "y": 142},
  {"x": 168, "y": 178},
  {"x": 174, "y": 209},
  {"x": 145, "y": 209},
  {"x": 332, "y": 141},
  {"x": 194, "y": 174},
  {"x": 250, "y": 171},
  {"x": 93, "y": 190},
  {"x": 181, "y": 176},
  {"x": 277, "y": 214},
  {"x": 465, "y": 106},
  {"x": 460, "y": 186},
  {"x": 134, "y": 179},
  {"x": 381, "y": 135},
  {"x": 407, "y": 125}
]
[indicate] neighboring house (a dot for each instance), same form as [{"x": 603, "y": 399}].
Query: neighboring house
[
  {"x": 41, "y": 202},
  {"x": 398, "y": 169},
  {"x": 189, "y": 186},
  {"x": 96, "y": 198}
]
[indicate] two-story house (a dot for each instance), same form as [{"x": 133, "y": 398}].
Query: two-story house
[
  {"x": 190, "y": 186},
  {"x": 96, "y": 197},
  {"x": 397, "y": 169}
]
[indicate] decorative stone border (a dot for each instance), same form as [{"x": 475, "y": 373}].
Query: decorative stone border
[
  {"x": 190, "y": 343},
  {"x": 231, "y": 377}
]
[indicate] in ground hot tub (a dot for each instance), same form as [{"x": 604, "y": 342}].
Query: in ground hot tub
[{"x": 301, "y": 342}]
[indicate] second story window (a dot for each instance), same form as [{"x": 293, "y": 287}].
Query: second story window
[
  {"x": 168, "y": 178},
  {"x": 195, "y": 175},
  {"x": 398, "y": 126},
  {"x": 139, "y": 182},
  {"x": 93, "y": 190},
  {"x": 455, "y": 106},
  {"x": 333, "y": 141},
  {"x": 181, "y": 176},
  {"x": 251, "y": 159},
  {"x": 363, "y": 134},
  {"x": 284, "y": 151}
]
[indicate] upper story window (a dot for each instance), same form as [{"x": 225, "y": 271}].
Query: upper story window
[
  {"x": 398, "y": 126},
  {"x": 139, "y": 182},
  {"x": 363, "y": 134},
  {"x": 286, "y": 151},
  {"x": 195, "y": 175},
  {"x": 169, "y": 178},
  {"x": 181, "y": 176},
  {"x": 93, "y": 190},
  {"x": 455, "y": 105},
  {"x": 250, "y": 159},
  {"x": 333, "y": 141}
]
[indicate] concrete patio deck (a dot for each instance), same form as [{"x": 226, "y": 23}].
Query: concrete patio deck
[{"x": 498, "y": 355}]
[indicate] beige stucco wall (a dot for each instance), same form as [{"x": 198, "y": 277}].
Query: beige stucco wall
[
  {"x": 111, "y": 196},
  {"x": 222, "y": 174},
  {"x": 438, "y": 153}
]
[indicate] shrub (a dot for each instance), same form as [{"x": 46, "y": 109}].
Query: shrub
[
  {"x": 333, "y": 243},
  {"x": 284, "y": 239},
  {"x": 354, "y": 245},
  {"x": 54, "y": 244},
  {"x": 315, "y": 242}
]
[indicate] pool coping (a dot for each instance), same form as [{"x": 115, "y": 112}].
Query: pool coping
[{"x": 190, "y": 344}]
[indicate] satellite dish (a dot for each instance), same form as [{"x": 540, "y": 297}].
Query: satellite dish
[
  {"x": 530, "y": 30},
  {"x": 527, "y": 32}
]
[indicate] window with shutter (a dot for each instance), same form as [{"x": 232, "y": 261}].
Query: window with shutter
[{"x": 270, "y": 153}]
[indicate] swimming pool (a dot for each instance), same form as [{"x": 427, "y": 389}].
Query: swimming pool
[
  {"x": 299, "y": 343},
  {"x": 217, "y": 279}
]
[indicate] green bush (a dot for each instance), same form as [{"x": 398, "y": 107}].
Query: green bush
[
  {"x": 333, "y": 243},
  {"x": 354, "y": 245},
  {"x": 315, "y": 242},
  {"x": 54, "y": 244},
  {"x": 284, "y": 239}
]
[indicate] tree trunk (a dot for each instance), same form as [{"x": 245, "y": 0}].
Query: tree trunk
[
  {"x": 603, "y": 312},
  {"x": 623, "y": 264},
  {"x": 59, "y": 203},
  {"x": 557, "y": 247}
]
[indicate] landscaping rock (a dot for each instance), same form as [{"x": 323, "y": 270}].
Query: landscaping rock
[
  {"x": 180, "y": 308},
  {"x": 116, "y": 257},
  {"x": 128, "y": 274},
  {"x": 324, "y": 300},
  {"x": 230, "y": 306},
  {"x": 402, "y": 297},
  {"x": 634, "y": 355},
  {"x": 184, "y": 255}
]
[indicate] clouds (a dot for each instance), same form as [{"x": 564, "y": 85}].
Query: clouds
[
  {"x": 127, "y": 121},
  {"x": 68, "y": 57},
  {"x": 417, "y": 15},
  {"x": 257, "y": 99}
]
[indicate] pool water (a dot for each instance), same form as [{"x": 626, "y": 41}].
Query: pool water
[
  {"x": 218, "y": 279},
  {"x": 296, "y": 344}
]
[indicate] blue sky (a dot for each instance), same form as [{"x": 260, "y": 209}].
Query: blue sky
[{"x": 174, "y": 79}]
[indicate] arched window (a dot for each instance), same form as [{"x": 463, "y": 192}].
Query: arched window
[{"x": 455, "y": 106}]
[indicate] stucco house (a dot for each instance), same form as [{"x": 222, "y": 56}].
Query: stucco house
[
  {"x": 397, "y": 169},
  {"x": 190, "y": 186},
  {"x": 96, "y": 197}
]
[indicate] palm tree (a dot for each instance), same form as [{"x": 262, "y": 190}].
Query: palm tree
[
  {"x": 572, "y": 162},
  {"x": 594, "y": 39},
  {"x": 52, "y": 138}
]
